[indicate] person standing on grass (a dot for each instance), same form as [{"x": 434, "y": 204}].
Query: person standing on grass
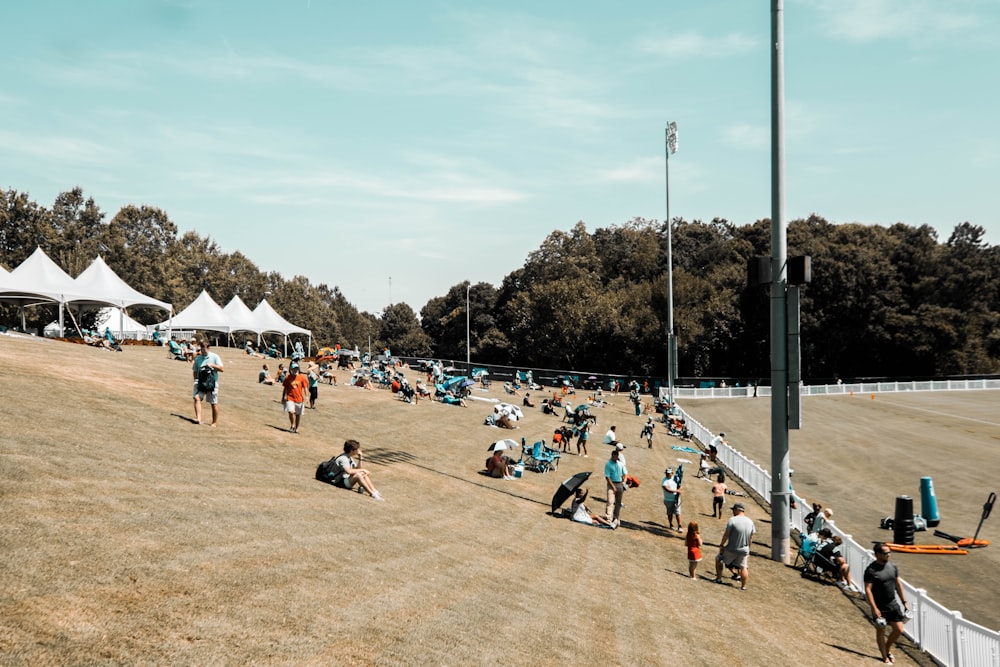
[
  {"x": 734, "y": 547},
  {"x": 614, "y": 475},
  {"x": 581, "y": 442},
  {"x": 313, "y": 377},
  {"x": 885, "y": 595},
  {"x": 208, "y": 359},
  {"x": 693, "y": 543},
  {"x": 671, "y": 498},
  {"x": 293, "y": 396},
  {"x": 718, "y": 495}
]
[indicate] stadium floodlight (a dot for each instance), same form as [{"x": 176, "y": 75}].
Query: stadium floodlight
[{"x": 671, "y": 339}]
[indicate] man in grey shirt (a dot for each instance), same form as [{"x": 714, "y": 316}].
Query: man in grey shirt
[{"x": 734, "y": 548}]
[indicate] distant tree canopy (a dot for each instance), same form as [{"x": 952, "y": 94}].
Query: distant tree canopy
[{"x": 883, "y": 301}]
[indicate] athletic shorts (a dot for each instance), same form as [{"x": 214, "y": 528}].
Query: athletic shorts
[
  {"x": 673, "y": 508},
  {"x": 297, "y": 408},
  {"x": 892, "y": 612},
  {"x": 733, "y": 559},
  {"x": 210, "y": 397}
]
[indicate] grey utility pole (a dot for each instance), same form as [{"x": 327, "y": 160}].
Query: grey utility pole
[{"x": 780, "y": 511}]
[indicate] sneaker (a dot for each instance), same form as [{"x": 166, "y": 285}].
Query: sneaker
[
  {"x": 378, "y": 496},
  {"x": 743, "y": 588},
  {"x": 717, "y": 581}
]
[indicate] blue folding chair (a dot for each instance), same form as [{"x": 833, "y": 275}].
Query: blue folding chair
[{"x": 541, "y": 458}]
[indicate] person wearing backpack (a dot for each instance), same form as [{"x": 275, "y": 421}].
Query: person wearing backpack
[
  {"x": 346, "y": 472},
  {"x": 206, "y": 368}
]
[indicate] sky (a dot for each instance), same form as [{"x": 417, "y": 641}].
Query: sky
[{"x": 396, "y": 149}]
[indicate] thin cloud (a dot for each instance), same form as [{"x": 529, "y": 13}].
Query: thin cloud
[
  {"x": 911, "y": 20},
  {"x": 697, "y": 45},
  {"x": 57, "y": 149},
  {"x": 746, "y": 136},
  {"x": 642, "y": 170}
]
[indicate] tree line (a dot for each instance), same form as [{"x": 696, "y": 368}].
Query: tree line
[{"x": 883, "y": 302}]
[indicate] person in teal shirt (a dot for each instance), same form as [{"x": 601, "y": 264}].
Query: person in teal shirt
[{"x": 614, "y": 475}]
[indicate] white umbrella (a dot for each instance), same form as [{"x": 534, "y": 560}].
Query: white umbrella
[{"x": 501, "y": 445}]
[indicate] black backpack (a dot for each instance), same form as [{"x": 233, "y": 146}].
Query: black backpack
[
  {"x": 327, "y": 471},
  {"x": 206, "y": 379}
]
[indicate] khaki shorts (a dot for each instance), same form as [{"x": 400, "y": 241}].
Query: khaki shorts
[{"x": 733, "y": 559}]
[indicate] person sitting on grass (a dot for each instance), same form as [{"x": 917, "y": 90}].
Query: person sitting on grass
[
  {"x": 351, "y": 474},
  {"x": 580, "y": 513},
  {"x": 422, "y": 390},
  {"x": 500, "y": 466},
  {"x": 265, "y": 377},
  {"x": 527, "y": 401},
  {"x": 451, "y": 399}
]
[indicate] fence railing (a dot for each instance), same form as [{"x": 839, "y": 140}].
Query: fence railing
[
  {"x": 841, "y": 389},
  {"x": 950, "y": 639}
]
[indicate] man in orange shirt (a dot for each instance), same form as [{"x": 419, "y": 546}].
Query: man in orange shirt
[{"x": 293, "y": 396}]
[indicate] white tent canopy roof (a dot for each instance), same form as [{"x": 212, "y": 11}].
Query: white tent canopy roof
[
  {"x": 269, "y": 320},
  {"x": 203, "y": 313},
  {"x": 240, "y": 317},
  {"x": 39, "y": 278},
  {"x": 98, "y": 278}
]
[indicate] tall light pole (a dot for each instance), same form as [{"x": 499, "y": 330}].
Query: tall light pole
[
  {"x": 780, "y": 510},
  {"x": 468, "y": 334},
  {"x": 671, "y": 147}
]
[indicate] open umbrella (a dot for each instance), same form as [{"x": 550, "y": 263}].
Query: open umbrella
[
  {"x": 567, "y": 488},
  {"x": 501, "y": 445},
  {"x": 583, "y": 407},
  {"x": 468, "y": 383}
]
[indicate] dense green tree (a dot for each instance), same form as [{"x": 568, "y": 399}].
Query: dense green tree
[
  {"x": 78, "y": 232},
  {"x": 400, "y": 331},
  {"x": 24, "y": 225}
]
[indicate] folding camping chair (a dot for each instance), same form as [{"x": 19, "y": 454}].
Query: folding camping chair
[{"x": 540, "y": 458}]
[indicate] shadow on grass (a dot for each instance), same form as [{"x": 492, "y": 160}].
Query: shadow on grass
[
  {"x": 382, "y": 456},
  {"x": 189, "y": 420},
  {"x": 473, "y": 483},
  {"x": 844, "y": 649}
]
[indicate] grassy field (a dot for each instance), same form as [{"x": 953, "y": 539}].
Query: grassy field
[
  {"x": 856, "y": 454},
  {"x": 131, "y": 536}
]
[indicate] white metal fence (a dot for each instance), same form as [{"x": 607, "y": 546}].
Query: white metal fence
[
  {"x": 840, "y": 389},
  {"x": 944, "y": 634}
]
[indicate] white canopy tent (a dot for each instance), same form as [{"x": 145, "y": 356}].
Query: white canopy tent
[
  {"x": 203, "y": 313},
  {"x": 98, "y": 278},
  {"x": 241, "y": 318},
  {"x": 40, "y": 280},
  {"x": 269, "y": 320}
]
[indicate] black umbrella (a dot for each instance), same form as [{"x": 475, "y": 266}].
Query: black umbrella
[{"x": 567, "y": 488}]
